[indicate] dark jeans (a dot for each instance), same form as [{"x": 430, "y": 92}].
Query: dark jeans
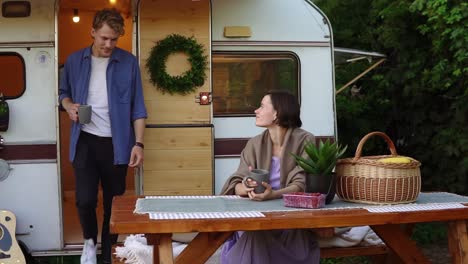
[{"x": 94, "y": 163}]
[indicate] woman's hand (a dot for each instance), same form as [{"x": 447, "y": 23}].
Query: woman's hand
[
  {"x": 243, "y": 190},
  {"x": 266, "y": 195}
]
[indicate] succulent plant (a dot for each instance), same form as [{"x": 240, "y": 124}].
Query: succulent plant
[{"x": 321, "y": 159}]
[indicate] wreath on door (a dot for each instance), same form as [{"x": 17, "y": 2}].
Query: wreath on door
[{"x": 189, "y": 80}]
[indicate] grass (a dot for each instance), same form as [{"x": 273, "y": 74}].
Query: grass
[
  {"x": 57, "y": 260},
  {"x": 347, "y": 260}
]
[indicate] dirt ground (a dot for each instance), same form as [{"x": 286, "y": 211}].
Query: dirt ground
[{"x": 437, "y": 253}]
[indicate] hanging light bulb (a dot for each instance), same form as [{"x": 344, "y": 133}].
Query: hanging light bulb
[
  {"x": 112, "y": 1},
  {"x": 76, "y": 17}
]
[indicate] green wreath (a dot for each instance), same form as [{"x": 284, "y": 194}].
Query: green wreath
[{"x": 189, "y": 80}]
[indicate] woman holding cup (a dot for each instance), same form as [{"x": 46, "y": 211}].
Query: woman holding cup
[{"x": 279, "y": 113}]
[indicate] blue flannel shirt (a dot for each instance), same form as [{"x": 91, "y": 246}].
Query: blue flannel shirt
[{"x": 124, "y": 94}]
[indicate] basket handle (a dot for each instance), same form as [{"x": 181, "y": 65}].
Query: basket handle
[{"x": 390, "y": 144}]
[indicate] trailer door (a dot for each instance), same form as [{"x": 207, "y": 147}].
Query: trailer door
[{"x": 179, "y": 130}]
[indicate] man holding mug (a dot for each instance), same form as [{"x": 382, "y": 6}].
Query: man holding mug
[{"x": 108, "y": 79}]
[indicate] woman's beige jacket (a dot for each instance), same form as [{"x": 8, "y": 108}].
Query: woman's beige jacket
[{"x": 258, "y": 154}]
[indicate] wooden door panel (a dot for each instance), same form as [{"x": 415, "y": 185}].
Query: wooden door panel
[
  {"x": 178, "y": 161},
  {"x": 178, "y": 138},
  {"x": 176, "y": 111},
  {"x": 176, "y": 182},
  {"x": 158, "y": 19},
  {"x": 178, "y": 155}
]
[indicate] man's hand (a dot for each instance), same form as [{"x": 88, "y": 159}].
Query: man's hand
[
  {"x": 71, "y": 108},
  {"x": 136, "y": 157}
]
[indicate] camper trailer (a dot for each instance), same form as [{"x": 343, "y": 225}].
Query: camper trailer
[{"x": 192, "y": 141}]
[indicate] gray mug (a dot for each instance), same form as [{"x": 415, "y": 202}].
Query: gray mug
[
  {"x": 259, "y": 176},
  {"x": 84, "y": 114}
]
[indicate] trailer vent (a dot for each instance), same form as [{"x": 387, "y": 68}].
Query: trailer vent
[
  {"x": 237, "y": 32},
  {"x": 16, "y": 9}
]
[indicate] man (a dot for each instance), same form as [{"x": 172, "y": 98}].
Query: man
[{"x": 108, "y": 79}]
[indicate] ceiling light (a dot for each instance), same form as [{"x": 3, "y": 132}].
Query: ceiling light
[{"x": 76, "y": 17}]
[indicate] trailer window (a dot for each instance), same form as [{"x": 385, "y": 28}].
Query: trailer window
[
  {"x": 12, "y": 75},
  {"x": 240, "y": 80}
]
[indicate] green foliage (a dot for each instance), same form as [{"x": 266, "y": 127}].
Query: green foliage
[
  {"x": 3, "y": 108},
  {"x": 188, "y": 81},
  {"x": 321, "y": 159},
  {"x": 346, "y": 260},
  {"x": 429, "y": 233},
  {"x": 419, "y": 96}
]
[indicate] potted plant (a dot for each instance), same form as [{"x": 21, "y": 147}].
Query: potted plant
[{"x": 319, "y": 165}]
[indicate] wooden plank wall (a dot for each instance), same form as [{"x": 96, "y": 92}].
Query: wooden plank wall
[
  {"x": 178, "y": 163},
  {"x": 178, "y": 160},
  {"x": 158, "y": 19}
]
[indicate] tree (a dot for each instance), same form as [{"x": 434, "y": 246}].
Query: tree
[{"x": 419, "y": 96}]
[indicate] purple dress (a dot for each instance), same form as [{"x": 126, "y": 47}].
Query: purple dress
[{"x": 293, "y": 246}]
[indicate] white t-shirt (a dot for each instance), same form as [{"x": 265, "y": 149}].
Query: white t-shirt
[{"x": 100, "y": 124}]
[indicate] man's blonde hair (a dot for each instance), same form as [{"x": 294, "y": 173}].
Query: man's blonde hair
[{"x": 111, "y": 17}]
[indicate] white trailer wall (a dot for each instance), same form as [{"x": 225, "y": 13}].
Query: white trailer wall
[
  {"x": 277, "y": 25},
  {"x": 31, "y": 191}
]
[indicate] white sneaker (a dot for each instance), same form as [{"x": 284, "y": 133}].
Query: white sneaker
[{"x": 89, "y": 252}]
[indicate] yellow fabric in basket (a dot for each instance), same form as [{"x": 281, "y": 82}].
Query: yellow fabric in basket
[{"x": 395, "y": 160}]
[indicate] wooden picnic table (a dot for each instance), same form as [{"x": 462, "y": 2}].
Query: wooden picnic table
[{"x": 213, "y": 232}]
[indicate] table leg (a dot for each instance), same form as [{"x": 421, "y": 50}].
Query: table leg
[
  {"x": 202, "y": 247},
  {"x": 162, "y": 248},
  {"x": 397, "y": 240},
  {"x": 458, "y": 241}
]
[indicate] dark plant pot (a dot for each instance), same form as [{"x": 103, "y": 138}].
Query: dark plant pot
[{"x": 322, "y": 184}]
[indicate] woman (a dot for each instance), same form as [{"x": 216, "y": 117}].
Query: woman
[{"x": 279, "y": 113}]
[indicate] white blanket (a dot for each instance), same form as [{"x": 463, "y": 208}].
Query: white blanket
[
  {"x": 351, "y": 236},
  {"x": 135, "y": 250}
]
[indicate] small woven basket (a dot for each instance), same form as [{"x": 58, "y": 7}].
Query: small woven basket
[{"x": 368, "y": 180}]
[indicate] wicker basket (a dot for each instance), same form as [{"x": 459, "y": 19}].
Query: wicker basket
[{"x": 368, "y": 180}]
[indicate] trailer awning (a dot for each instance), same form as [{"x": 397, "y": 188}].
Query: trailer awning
[{"x": 345, "y": 55}]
